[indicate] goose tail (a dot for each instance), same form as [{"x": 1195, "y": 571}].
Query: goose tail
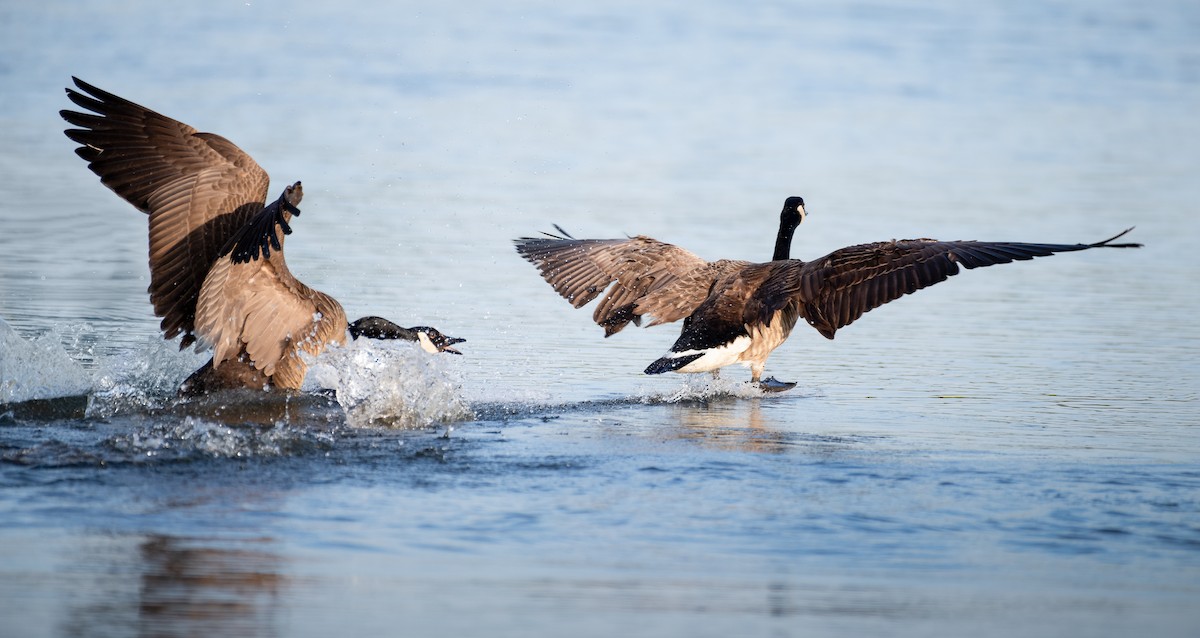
[{"x": 672, "y": 362}]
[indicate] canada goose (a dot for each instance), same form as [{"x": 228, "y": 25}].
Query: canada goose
[
  {"x": 738, "y": 311},
  {"x": 217, "y": 271}
]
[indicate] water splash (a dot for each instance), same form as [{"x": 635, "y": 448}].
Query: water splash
[
  {"x": 392, "y": 384},
  {"x": 42, "y": 368},
  {"x": 376, "y": 383},
  {"x": 38, "y": 368},
  {"x": 141, "y": 379}
]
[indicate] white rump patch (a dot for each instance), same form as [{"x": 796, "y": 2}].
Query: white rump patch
[{"x": 714, "y": 358}]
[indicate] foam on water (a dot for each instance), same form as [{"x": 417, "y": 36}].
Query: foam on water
[
  {"x": 393, "y": 384},
  {"x": 195, "y": 437}
]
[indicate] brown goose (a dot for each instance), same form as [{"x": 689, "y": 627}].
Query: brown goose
[
  {"x": 217, "y": 272},
  {"x": 738, "y": 311}
]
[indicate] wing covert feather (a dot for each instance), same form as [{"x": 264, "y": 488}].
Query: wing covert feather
[{"x": 641, "y": 275}]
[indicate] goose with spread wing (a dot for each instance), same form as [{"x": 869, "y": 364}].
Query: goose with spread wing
[
  {"x": 217, "y": 271},
  {"x": 739, "y": 311}
]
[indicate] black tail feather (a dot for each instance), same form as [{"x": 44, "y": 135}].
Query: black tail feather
[{"x": 671, "y": 364}]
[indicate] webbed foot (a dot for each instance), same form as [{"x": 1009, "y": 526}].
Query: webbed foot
[{"x": 771, "y": 384}]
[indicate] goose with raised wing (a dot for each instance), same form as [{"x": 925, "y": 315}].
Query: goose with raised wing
[
  {"x": 739, "y": 311},
  {"x": 217, "y": 271}
]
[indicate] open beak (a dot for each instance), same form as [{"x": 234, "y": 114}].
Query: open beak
[{"x": 444, "y": 346}]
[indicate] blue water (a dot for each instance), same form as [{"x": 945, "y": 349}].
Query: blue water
[{"x": 1012, "y": 452}]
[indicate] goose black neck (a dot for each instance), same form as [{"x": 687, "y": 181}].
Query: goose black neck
[
  {"x": 380, "y": 328},
  {"x": 783, "y": 241}
]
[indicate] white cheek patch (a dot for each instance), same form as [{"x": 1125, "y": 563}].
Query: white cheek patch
[
  {"x": 426, "y": 344},
  {"x": 714, "y": 358}
]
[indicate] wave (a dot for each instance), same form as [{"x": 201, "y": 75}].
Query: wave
[
  {"x": 62, "y": 409},
  {"x": 251, "y": 425},
  {"x": 194, "y": 437},
  {"x": 696, "y": 389}
]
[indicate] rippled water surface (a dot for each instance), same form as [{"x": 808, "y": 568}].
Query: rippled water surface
[{"x": 1012, "y": 452}]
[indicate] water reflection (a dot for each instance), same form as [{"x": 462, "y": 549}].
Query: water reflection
[
  {"x": 731, "y": 424},
  {"x": 188, "y": 587}
]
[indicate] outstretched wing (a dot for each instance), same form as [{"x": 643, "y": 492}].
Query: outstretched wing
[
  {"x": 198, "y": 188},
  {"x": 251, "y": 302},
  {"x": 833, "y": 291},
  {"x": 647, "y": 276}
]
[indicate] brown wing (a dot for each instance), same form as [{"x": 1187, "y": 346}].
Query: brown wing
[
  {"x": 198, "y": 188},
  {"x": 833, "y": 291},
  {"x": 680, "y": 298},
  {"x": 255, "y": 305},
  {"x": 647, "y": 276}
]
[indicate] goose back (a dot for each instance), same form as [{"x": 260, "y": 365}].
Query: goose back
[{"x": 719, "y": 319}]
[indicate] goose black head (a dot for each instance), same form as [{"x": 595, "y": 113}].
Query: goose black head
[
  {"x": 431, "y": 339},
  {"x": 793, "y": 212},
  {"x": 291, "y": 198}
]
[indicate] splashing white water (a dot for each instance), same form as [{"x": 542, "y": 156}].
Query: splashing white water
[
  {"x": 38, "y": 368},
  {"x": 145, "y": 378},
  {"x": 700, "y": 387},
  {"x": 42, "y": 368},
  {"x": 393, "y": 384}
]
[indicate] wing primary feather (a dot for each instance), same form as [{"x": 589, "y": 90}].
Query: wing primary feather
[{"x": 258, "y": 236}]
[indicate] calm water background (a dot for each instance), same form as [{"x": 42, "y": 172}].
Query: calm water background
[{"x": 1012, "y": 452}]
